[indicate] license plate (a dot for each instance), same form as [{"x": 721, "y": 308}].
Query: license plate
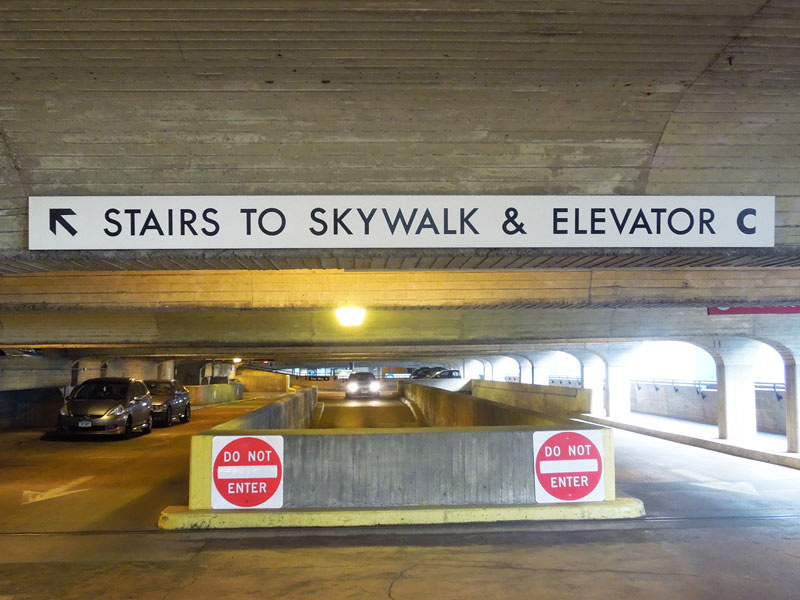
[{"x": 84, "y": 423}]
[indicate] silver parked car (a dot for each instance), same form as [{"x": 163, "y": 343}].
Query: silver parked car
[
  {"x": 170, "y": 401},
  {"x": 107, "y": 406}
]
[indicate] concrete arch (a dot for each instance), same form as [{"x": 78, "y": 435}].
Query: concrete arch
[
  {"x": 788, "y": 348},
  {"x": 504, "y": 367},
  {"x": 473, "y": 369},
  {"x": 525, "y": 368}
]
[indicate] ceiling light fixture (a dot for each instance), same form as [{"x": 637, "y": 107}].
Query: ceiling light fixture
[{"x": 350, "y": 316}]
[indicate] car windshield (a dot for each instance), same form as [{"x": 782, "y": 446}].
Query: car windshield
[
  {"x": 158, "y": 387},
  {"x": 362, "y": 377},
  {"x": 101, "y": 390}
]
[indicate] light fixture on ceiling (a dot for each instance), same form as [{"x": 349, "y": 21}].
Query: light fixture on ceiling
[
  {"x": 237, "y": 361},
  {"x": 350, "y": 316}
]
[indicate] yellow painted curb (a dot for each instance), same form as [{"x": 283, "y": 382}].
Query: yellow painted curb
[{"x": 180, "y": 517}]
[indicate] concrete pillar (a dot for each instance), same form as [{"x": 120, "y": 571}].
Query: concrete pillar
[
  {"x": 166, "y": 369},
  {"x": 617, "y": 393},
  {"x": 502, "y": 366},
  {"x": 788, "y": 346},
  {"x": 488, "y": 371},
  {"x": 792, "y": 408},
  {"x": 593, "y": 374},
  {"x": 525, "y": 368},
  {"x": 736, "y": 411},
  {"x": 542, "y": 365},
  {"x": 89, "y": 368}
]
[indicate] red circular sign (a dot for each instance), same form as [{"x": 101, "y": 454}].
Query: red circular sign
[
  {"x": 569, "y": 466},
  {"x": 247, "y": 472}
]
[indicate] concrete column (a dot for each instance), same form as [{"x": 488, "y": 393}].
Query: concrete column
[
  {"x": 166, "y": 369},
  {"x": 593, "y": 371},
  {"x": 618, "y": 390},
  {"x": 788, "y": 346},
  {"x": 617, "y": 393},
  {"x": 542, "y": 366},
  {"x": 472, "y": 370},
  {"x": 792, "y": 409},
  {"x": 488, "y": 371},
  {"x": 525, "y": 368},
  {"x": 89, "y": 368},
  {"x": 736, "y": 411}
]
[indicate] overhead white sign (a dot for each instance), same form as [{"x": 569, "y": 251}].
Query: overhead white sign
[{"x": 226, "y": 222}]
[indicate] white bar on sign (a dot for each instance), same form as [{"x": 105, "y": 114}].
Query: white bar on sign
[
  {"x": 585, "y": 465},
  {"x": 248, "y": 472}
]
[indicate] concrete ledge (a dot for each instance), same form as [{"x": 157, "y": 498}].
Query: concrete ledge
[
  {"x": 180, "y": 517},
  {"x": 726, "y": 447},
  {"x": 216, "y": 393}
]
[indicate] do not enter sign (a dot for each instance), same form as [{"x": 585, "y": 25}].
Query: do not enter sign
[
  {"x": 569, "y": 466},
  {"x": 247, "y": 472}
]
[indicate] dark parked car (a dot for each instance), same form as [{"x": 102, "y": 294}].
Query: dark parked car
[
  {"x": 362, "y": 384},
  {"x": 107, "y": 406},
  {"x": 447, "y": 374},
  {"x": 424, "y": 372},
  {"x": 170, "y": 401}
]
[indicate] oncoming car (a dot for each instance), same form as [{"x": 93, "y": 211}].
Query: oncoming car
[
  {"x": 362, "y": 384},
  {"x": 107, "y": 406},
  {"x": 170, "y": 401}
]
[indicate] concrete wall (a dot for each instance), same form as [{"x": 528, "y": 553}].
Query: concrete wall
[
  {"x": 26, "y": 372},
  {"x": 442, "y": 408},
  {"x": 36, "y": 407},
  {"x": 451, "y": 385},
  {"x": 217, "y": 393},
  {"x": 375, "y": 468},
  {"x": 401, "y": 468},
  {"x": 701, "y": 406},
  {"x": 262, "y": 381},
  {"x": 31, "y": 390},
  {"x": 322, "y": 382},
  {"x": 552, "y": 400},
  {"x": 291, "y": 411}
]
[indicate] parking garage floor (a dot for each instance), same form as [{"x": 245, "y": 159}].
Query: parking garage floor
[{"x": 78, "y": 520}]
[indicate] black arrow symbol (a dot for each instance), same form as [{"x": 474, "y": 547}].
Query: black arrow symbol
[{"x": 57, "y": 216}]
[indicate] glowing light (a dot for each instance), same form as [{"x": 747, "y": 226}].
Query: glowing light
[
  {"x": 237, "y": 360},
  {"x": 350, "y": 316}
]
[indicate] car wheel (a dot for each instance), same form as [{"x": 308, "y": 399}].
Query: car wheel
[
  {"x": 187, "y": 413},
  {"x": 147, "y": 427},
  {"x": 168, "y": 417}
]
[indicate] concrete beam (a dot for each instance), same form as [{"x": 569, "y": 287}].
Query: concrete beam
[{"x": 316, "y": 289}]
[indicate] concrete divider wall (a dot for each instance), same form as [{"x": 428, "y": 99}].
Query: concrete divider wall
[
  {"x": 322, "y": 382},
  {"x": 262, "y": 381},
  {"x": 549, "y": 399},
  {"x": 36, "y": 407},
  {"x": 290, "y": 411},
  {"x": 450, "y": 409},
  {"x": 424, "y": 467},
  {"x": 451, "y": 385},
  {"x": 216, "y": 393}
]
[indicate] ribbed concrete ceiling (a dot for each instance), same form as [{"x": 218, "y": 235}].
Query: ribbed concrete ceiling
[{"x": 443, "y": 97}]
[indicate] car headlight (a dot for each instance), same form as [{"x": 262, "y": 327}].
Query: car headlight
[
  {"x": 374, "y": 386},
  {"x": 116, "y": 411},
  {"x": 64, "y": 412},
  {"x": 352, "y": 387}
]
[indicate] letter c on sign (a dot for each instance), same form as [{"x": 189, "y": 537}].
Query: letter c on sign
[{"x": 740, "y": 221}]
